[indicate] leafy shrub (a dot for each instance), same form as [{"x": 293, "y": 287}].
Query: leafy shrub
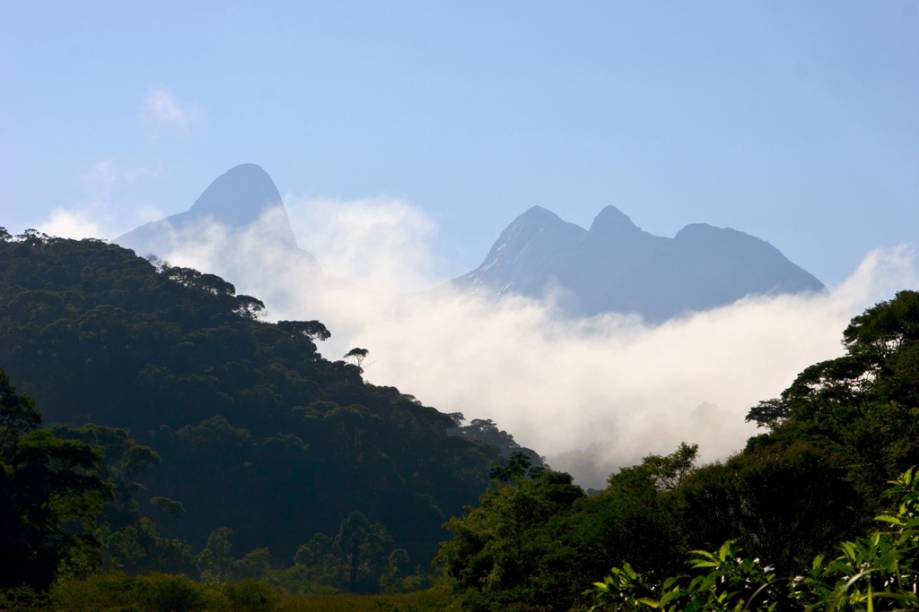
[
  {"x": 251, "y": 596},
  {"x": 23, "y": 598},
  {"x": 167, "y": 593},
  {"x": 877, "y": 572},
  {"x": 156, "y": 592}
]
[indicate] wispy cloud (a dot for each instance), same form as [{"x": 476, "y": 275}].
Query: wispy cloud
[{"x": 163, "y": 107}]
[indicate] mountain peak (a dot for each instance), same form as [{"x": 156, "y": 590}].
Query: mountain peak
[
  {"x": 611, "y": 219},
  {"x": 237, "y": 199},
  {"x": 618, "y": 267},
  {"x": 239, "y": 196},
  {"x": 538, "y": 214},
  {"x": 697, "y": 229}
]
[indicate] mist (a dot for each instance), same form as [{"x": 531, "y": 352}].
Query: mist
[{"x": 591, "y": 395}]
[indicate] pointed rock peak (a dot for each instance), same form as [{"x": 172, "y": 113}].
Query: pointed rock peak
[
  {"x": 537, "y": 214},
  {"x": 534, "y": 219},
  {"x": 238, "y": 196},
  {"x": 611, "y": 219}
]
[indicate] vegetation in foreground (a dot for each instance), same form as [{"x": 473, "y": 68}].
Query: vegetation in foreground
[{"x": 876, "y": 572}]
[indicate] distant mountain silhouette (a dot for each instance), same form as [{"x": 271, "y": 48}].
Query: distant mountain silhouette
[
  {"x": 615, "y": 266},
  {"x": 235, "y": 202}
]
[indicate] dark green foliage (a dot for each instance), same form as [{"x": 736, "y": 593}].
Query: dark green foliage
[
  {"x": 155, "y": 592},
  {"x": 880, "y": 571},
  {"x": 251, "y": 596},
  {"x": 500, "y": 551},
  {"x": 49, "y": 497},
  {"x": 864, "y": 404},
  {"x": 783, "y": 503},
  {"x": 354, "y": 558},
  {"x": 314, "y": 330},
  {"x": 114, "y": 591},
  {"x": 488, "y": 432},
  {"x": 358, "y": 355},
  {"x": 124, "y": 463},
  {"x": 140, "y": 548},
  {"x": 240, "y": 423}
]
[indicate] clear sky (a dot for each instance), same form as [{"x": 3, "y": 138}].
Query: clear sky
[{"x": 796, "y": 121}]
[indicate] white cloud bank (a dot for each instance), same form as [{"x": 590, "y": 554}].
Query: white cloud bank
[
  {"x": 68, "y": 223},
  {"x": 590, "y": 394}
]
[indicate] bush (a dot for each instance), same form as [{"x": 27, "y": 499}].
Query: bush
[
  {"x": 251, "y": 596},
  {"x": 23, "y": 598},
  {"x": 168, "y": 593},
  {"x": 159, "y": 592},
  {"x": 877, "y": 572}
]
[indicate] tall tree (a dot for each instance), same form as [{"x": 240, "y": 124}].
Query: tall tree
[{"x": 50, "y": 494}]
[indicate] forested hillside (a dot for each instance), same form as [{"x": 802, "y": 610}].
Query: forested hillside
[{"x": 211, "y": 419}]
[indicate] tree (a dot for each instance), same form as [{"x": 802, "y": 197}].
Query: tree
[
  {"x": 782, "y": 503},
  {"x": 50, "y": 495},
  {"x": 488, "y": 432},
  {"x": 140, "y": 548},
  {"x": 397, "y": 565},
  {"x": 877, "y": 572},
  {"x": 358, "y": 355},
  {"x": 192, "y": 278},
  {"x": 501, "y": 548},
  {"x": 669, "y": 471},
  {"x": 314, "y": 330},
  {"x": 361, "y": 543},
  {"x": 124, "y": 462},
  {"x": 216, "y": 559},
  {"x": 519, "y": 465},
  {"x": 248, "y": 307},
  {"x": 864, "y": 404}
]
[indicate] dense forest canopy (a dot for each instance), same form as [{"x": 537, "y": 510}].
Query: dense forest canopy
[{"x": 228, "y": 421}]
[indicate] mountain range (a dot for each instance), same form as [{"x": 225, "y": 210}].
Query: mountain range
[{"x": 615, "y": 266}]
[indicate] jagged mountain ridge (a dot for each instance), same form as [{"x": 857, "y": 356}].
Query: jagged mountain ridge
[{"x": 615, "y": 266}]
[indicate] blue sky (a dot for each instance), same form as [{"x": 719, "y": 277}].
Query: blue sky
[{"x": 794, "y": 121}]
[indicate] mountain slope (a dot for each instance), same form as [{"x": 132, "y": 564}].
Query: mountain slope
[
  {"x": 615, "y": 266},
  {"x": 255, "y": 429}
]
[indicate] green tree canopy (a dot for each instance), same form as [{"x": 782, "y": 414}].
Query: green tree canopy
[{"x": 50, "y": 494}]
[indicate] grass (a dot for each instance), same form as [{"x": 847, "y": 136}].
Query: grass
[
  {"x": 435, "y": 598},
  {"x": 166, "y": 593}
]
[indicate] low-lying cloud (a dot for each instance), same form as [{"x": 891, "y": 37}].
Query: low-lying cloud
[{"x": 590, "y": 394}]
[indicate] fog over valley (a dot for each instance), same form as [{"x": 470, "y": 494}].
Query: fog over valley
[{"x": 592, "y": 394}]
